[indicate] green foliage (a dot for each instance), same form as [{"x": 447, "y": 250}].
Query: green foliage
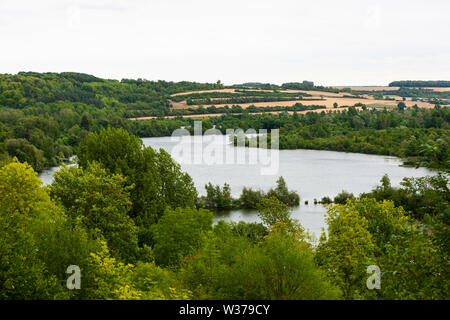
[
  {"x": 250, "y": 198},
  {"x": 105, "y": 278},
  {"x": 271, "y": 211},
  {"x": 282, "y": 193},
  {"x": 348, "y": 250},
  {"x": 417, "y": 83},
  {"x": 343, "y": 196},
  {"x": 326, "y": 200},
  {"x": 22, "y": 274},
  {"x": 279, "y": 267},
  {"x": 101, "y": 202},
  {"x": 413, "y": 269},
  {"x": 252, "y": 231},
  {"x": 20, "y": 190},
  {"x": 286, "y": 270},
  {"x": 158, "y": 181},
  {"x": 421, "y": 196},
  {"x": 366, "y": 232},
  {"x": 43, "y": 116},
  {"x": 179, "y": 233},
  {"x": 62, "y": 242},
  {"x": 218, "y": 198}
]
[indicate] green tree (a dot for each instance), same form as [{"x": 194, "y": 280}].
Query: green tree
[
  {"x": 348, "y": 250},
  {"x": 158, "y": 180},
  {"x": 342, "y": 197},
  {"x": 282, "y": 193},
  {"x": 20, "y": 189},
  {"x": 180, "y": 233},
  {"x": 101, "y": 201},
  {"x": 281, "y": 268},
  {"x": 272, "y": 211},
  {"x": 22, "y": 274},
  {"x": 218, "y": 198}
]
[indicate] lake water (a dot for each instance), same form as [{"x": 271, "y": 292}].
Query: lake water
[{"x": 311, "y": 173}]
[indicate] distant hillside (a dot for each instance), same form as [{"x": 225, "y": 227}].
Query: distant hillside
[
  {"x": 421, "y": 84},
  {"x": 44, "y": 116},
  {"x": 28, "y": 88}
]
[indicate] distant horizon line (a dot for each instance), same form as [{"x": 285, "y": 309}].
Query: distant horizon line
[{"x": 228, "y": 84}]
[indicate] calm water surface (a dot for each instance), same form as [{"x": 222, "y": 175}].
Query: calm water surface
[{"x": 312, "y": 173}]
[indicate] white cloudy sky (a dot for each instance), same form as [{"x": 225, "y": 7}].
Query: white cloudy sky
[{"x": 330, "y": 42}]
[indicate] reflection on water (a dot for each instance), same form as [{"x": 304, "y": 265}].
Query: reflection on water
[
  {"x": 312, "y": 173},
  {"x": 47, "y": 175}
]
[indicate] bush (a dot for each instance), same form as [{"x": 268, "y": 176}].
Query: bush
[
  {"x": 326, "y": 200},
  {"x": 342, "y": 197}
]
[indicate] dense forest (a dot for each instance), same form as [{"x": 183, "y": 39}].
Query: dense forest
[
  {"x": 419, "y": 136},
  {"x": 135, "y": 225},
  {"x": 43, "y": 116},
  {"x": 131, "y": 220},
  {"x": 420, "y": 83},
  {"x": 44, "y": 133}
]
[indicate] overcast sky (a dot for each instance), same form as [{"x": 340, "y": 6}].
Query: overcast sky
[{"x": 347, "y": 42}]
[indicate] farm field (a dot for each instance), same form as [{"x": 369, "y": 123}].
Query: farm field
[
  {"x": 306, "y": 98},
  {"x": 386, "y": 88},
  {"x": 368, "y": 88},
  {"x": 327, "y": 102},
  {"x": 210, "y": 115}
]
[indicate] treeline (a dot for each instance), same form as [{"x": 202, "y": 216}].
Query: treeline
[
  {"x": 237, "y": 109},
  {"x": 420, "y": 136},
  {"x": 240, "y": 100},
  {"x": 30, "y": 88},
  {"x": 420, "y": 83},
  {"x": 128, "y": 218},
  {"x": 415, "y": 93},
  {"x": 44, "y": 116},
  {"x": 218, "y": 198},
  {"x": 305, "y": 85},
  {"x": 239, "y": 93}
]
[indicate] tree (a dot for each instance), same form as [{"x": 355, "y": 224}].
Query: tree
[
  {"x": 250, "y": 198},
  {"x": 218, "y": 198},
  {"x": 20, "y": 189},
  {"x": 158, "y": 181},
  {"x": 25, "y": 152},
  {"x": 85, "y": 123},
  {"x": 348, "y": 250},
  {"x": 101, "y": 201},
  {"x": 281, "y": 268},
  {"x": 342, "y": 197},
  {"x": 413, "y": 268},
  {"x": 271, "y": 211},
  {"x": 22, "y": 274},
  {"x": 106, "y": 278},
  {"x": 282, "y": 193},
  {"x": 180, "y": 233}
]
